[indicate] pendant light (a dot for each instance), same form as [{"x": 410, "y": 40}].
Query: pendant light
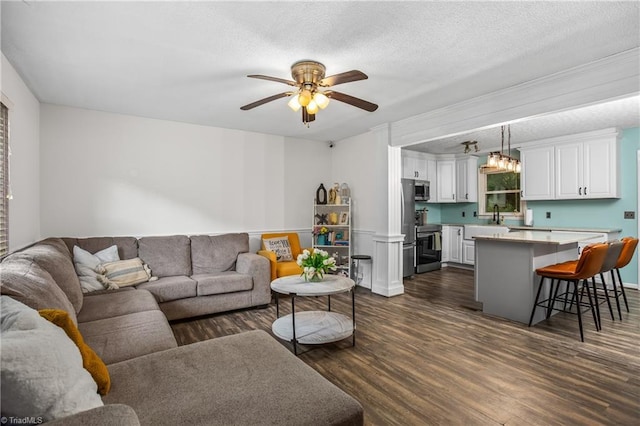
[{"x": 499, "y": 161}]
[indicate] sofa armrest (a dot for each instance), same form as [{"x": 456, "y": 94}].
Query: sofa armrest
[
  {"x": 261, "y": 271},
  {"x": 273, "y": 260},
  {"x": 107, "y": 415}
]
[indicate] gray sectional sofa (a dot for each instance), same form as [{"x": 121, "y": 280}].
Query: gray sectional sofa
[{"x": 248, "y": 378}]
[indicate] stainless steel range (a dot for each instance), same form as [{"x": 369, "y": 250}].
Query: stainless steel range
[{"x": 428, "y": 248}]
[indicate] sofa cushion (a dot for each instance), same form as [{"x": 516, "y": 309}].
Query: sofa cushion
[
  {"x": 41, "y": 373},
  {"x": 114, "y": 303},
  {"x": 242, "y": 379},
  {"x": 222, "y": 282},
  {"x": 166, "y": 256},
  {"x": 127, "y": 246},
  {"x": 170, "y": 288},
  {"x": 128, "y": 336},
  {"x": 52, "y": 255},
  {"x": 90, "y": 360},
  {"x": 217, "y": 253},
  {"x": 26, "y": 281}
]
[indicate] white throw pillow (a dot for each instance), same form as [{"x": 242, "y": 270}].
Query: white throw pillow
[
  {"x": 86, "y": 264},
  {"x": 41, "y": 368},
  {"x": 280, "y": 246}
]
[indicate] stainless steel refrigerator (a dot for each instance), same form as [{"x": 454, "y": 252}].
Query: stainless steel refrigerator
[{"x": 408, "y": 227}]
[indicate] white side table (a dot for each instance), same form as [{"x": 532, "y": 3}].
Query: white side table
[{"x": 314, "y": 327}]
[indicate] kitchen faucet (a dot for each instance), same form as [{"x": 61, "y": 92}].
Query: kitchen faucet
[{"x": 496, "y": 214}]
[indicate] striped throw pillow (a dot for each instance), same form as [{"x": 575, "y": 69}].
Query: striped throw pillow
[{"x": 123, "y": 273}]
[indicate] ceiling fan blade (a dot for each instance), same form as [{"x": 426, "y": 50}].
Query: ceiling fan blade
[
  {"x": 352, "y": 100},
  {"x": 279, "y": 80},
  {"x": 345, "y": 77},
  {"x": 265, "y": 100}
]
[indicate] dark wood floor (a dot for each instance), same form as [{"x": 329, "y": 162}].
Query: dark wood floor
[{"x": 428, "y": 357}]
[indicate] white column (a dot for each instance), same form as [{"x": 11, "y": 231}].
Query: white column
[{"x": 387, "y": 241}]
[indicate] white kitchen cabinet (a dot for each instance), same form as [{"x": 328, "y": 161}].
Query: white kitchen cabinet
[
  {"x": 414, "y": 165},
  {"x": 468, "y": 252},
  {"x": 446, "y": 243},
  {"x": 455, "y": 244},
  {"x": 446, "y": 181},
  {"x": 579, "y": 166},
  {"x": 432, "y": 177},
  {"x": 587, "y": 169},
  {"x": 467, "y": 180},
  {"x": 537, "y": 175}
]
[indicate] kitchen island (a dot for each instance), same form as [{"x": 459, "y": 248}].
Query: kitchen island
[{"x": 505, "y": 269}]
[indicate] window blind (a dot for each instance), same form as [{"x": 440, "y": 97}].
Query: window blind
[{"x": 4, "y": 180}]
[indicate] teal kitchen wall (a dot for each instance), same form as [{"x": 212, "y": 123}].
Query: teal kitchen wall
[{"x": 605, "y": 213}]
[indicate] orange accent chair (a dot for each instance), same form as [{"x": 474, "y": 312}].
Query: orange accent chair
[
  {"x": 282, "y": 268},
  {"x": 589, "y": 265}
]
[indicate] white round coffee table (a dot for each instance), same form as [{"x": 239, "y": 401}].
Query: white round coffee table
[{"x": 313, "y": 327}]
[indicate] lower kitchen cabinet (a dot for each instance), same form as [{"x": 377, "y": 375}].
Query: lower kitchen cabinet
[
  {"x": 455, "y": 249},
  {"x": 468, "y": 252}
]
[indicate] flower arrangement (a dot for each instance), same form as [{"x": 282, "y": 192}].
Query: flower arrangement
[
  {"x": 320, "y": 230},
  {"x": 315, "y": 264}
]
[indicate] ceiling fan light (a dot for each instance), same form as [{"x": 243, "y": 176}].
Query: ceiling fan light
[
  {"x": 312, "y": 107},
  {"x": 304, "y": 97},
  {"x": 321, "y": 100},
  {"x": 294, "y": 104}
]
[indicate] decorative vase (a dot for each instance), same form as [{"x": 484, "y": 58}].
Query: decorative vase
[
  {"x": 322, "y": 240},
  {"x": 314, "y": 277},
  {"x": 333, "y": 218}
]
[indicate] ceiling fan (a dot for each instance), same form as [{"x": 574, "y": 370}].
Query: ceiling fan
[{"x": 309, "y": 94}]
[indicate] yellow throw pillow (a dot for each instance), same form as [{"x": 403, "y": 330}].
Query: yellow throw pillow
[{"x": 90, "y": 360}]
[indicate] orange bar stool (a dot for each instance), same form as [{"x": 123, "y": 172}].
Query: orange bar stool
[
  {"x": 609, "y": 264},
  {"x": 629, "y": 248},
  {"x": 589, "y": 264}
]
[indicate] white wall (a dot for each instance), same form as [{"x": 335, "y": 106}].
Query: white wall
[
  {"x": 111, "y": 174},
  {"x": 24, "y": 140}
]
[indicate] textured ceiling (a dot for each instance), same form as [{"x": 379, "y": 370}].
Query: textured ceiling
[
  {"x": 623, "y": 113},
  {"x": 188, "y": 61}
]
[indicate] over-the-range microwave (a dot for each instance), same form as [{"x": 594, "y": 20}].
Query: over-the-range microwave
[{"x": 421, "y": 190}]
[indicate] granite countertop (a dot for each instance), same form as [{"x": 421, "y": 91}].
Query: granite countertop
[
  {"x": 550, "y": 228},
  {"x": 540, "y": 228},
  {"x": 543, "y": 237}
]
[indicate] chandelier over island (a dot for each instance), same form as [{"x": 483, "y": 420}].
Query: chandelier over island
[{"x": 499, "y": 161}]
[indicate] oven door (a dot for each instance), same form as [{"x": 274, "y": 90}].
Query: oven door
[{"x": 428, "y": 251}]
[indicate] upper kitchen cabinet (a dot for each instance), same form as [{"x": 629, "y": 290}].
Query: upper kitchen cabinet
[
  {"x": 446, "y": 181},
  {"x": 432, "y": 177},
  {"x": 467, "y": 180},
  {"x": 537, "y": 175},
  {"x": 588, "y": 169},
  {"x": 414, "y": 165},
  {"x": 580, "y": 166}
]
